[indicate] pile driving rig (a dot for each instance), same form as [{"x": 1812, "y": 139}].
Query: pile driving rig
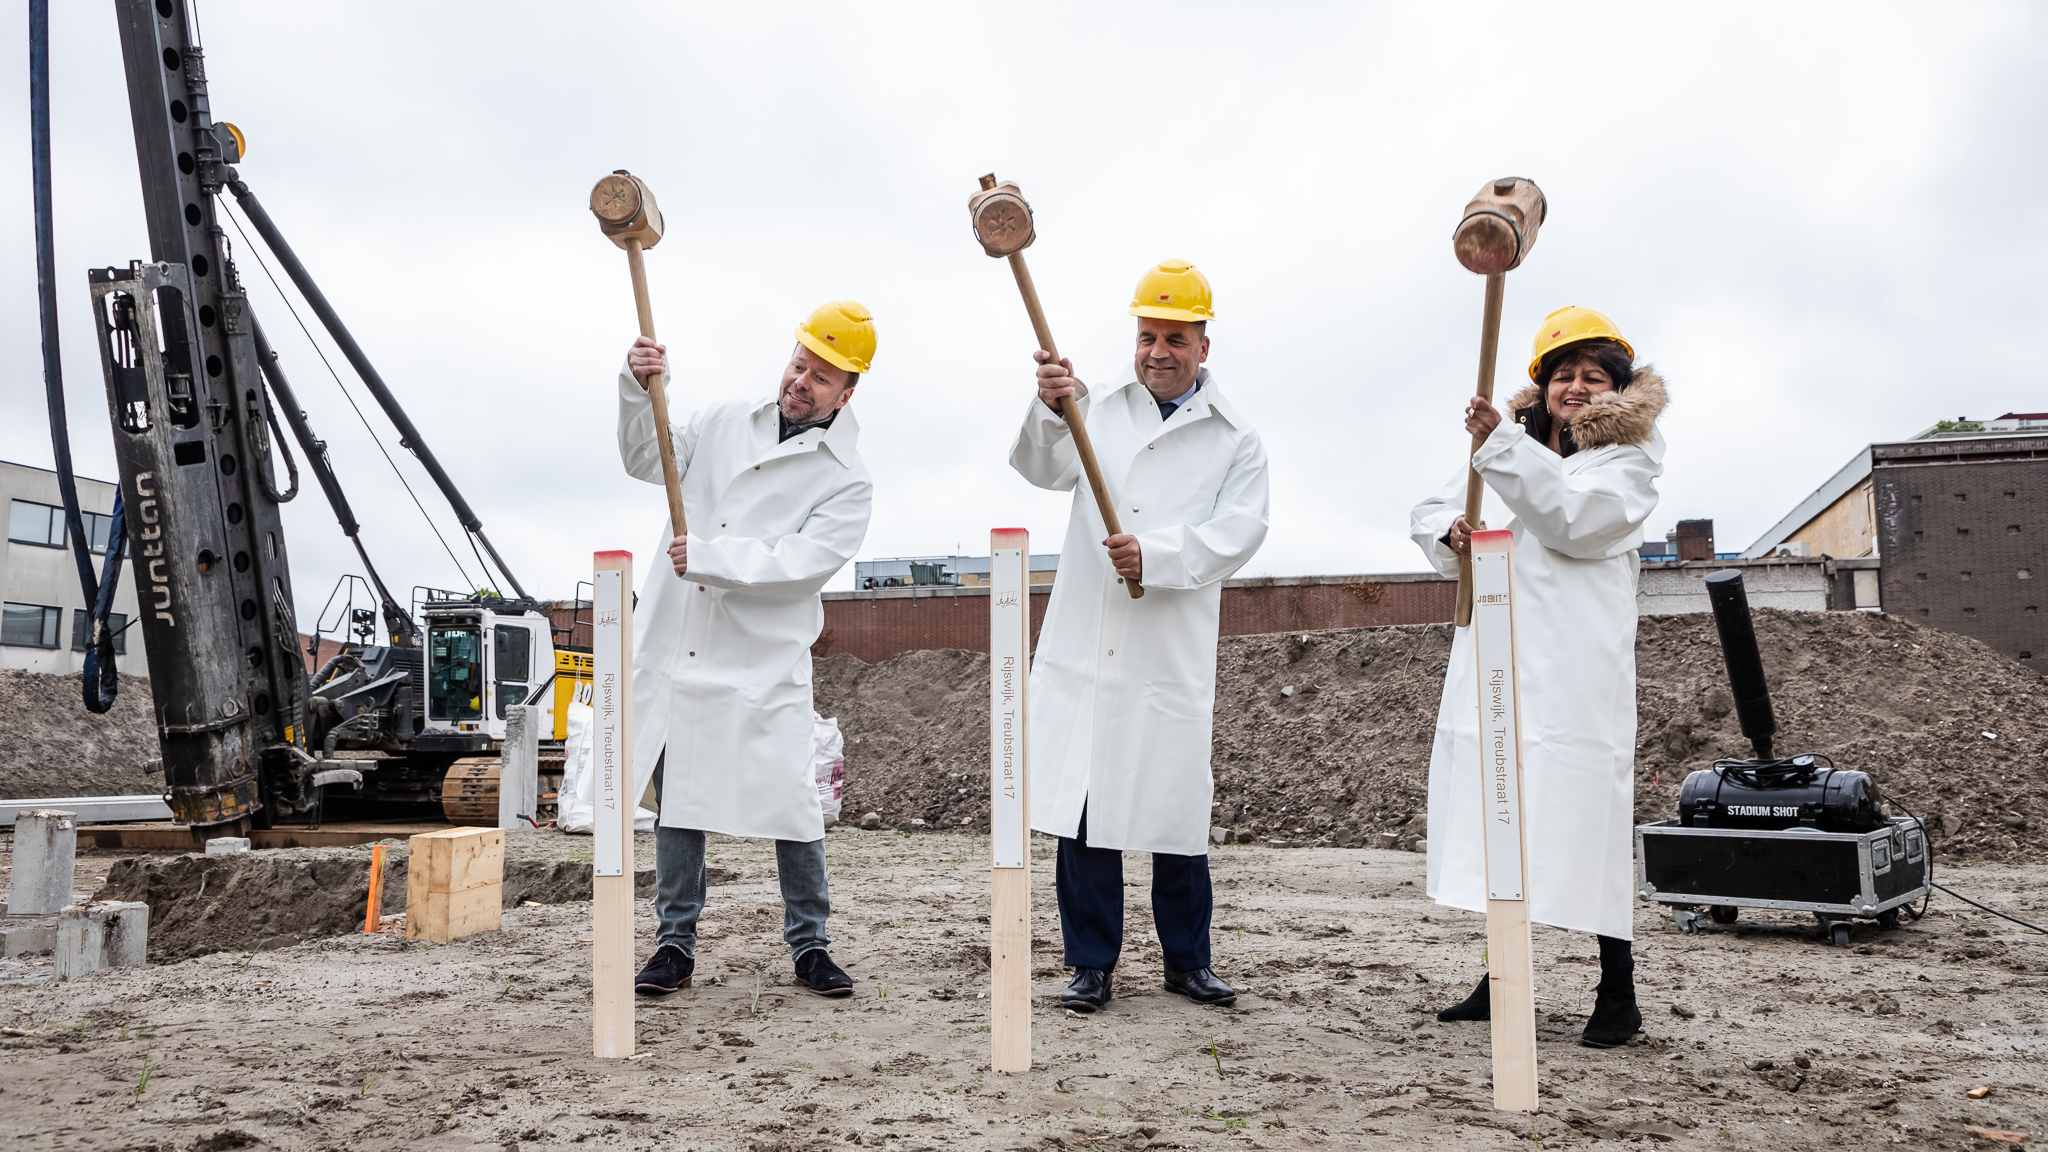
[{"x": 247, "y": 738}]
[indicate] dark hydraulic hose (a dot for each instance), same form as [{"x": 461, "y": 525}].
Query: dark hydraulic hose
[
  {"x": 409, "y": 436},
  {"x": 101, "y": 682},
  {"x": 404, "y": 633},
  {"x": 46, "y": 285}
]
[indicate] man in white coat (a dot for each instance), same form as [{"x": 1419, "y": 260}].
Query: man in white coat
[
  {"x": 1123, "y": 690},
  {"x": 777, "y": 501}
]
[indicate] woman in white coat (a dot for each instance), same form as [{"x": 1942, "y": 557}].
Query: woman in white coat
[{"x": 1577, "y": 464}]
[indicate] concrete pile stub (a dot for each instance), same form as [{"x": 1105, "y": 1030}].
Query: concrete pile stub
[
  {"x": 45, "y": 861},
  {"x": 519, "y": 766},
  {"x": 227, "y": 845},
  {"x": 106, "y": 934}
]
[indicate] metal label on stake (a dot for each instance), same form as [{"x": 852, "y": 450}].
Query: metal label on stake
[
  {"x": 611, "y": 742},
  {"x": 1009, "y": 667},
  {"x": 1500, "y": 740}
]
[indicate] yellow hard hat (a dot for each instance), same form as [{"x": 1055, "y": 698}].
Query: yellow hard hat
[
  {"x": 1174, "y": 291},
  {"x": 842, "y": 332},
  {"x": 1572, "y": 324}
]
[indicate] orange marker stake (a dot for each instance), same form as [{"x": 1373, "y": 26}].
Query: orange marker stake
[{"x": 373, "y": 917}]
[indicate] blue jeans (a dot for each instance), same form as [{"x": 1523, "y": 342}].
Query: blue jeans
[{"x": 679, "y": 887}]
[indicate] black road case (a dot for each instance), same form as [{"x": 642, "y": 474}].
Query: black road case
[{"x": 1837, "y": 876}]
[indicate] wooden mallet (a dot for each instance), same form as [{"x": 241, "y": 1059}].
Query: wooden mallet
[
  {"x": 1493, "y": 238},
  {"x": 625, "y": 209},
  {"x": 1002, "y": 222}
]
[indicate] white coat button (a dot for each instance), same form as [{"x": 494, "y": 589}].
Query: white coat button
[
  {"x": 700, "y": 587},
  {"x": 693, "y": 653},
  {"x": 1112, "y": 651},
  {"x": 1149, "y": 447}
]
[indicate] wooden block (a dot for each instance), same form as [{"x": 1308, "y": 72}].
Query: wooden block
[
  {"x": 444, "y": 916},
  {"x": 455, "y": 859}
]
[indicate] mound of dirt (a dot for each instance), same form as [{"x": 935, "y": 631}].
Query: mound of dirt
[
  {"x": 1947, "y": 726},
  {"x": 51, "y": 746},
  {"x": 255, "y": 901}
]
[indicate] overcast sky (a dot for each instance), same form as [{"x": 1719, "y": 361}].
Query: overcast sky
[{"x": 1825, "y": 223}]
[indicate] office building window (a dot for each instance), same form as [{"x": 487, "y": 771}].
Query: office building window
[
  {"x": 30, "y": 625},
  {"x": 81, "y": 630},
  {"x": 31, "y": 523},
  {"x": 97, "y": 529}
]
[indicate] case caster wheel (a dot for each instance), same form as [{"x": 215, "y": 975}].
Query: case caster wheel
[
  {"x": 1724, "y": 913},
  {"x": 1687, "y": 919},
  {"x": 1888, "y": 919},
  {"x": 1838, "y": 935}
]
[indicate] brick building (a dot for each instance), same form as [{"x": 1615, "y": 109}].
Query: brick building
[
  {"x": 1962, "y": 526},
  {"x": 876, "y": 624}
]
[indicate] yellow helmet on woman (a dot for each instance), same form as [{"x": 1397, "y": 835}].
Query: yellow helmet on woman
[
  {"x": 842, "y": 332},
  {"x": 1572, "y": 324}
]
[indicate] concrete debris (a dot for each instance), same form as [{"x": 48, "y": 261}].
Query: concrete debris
[
  {"x": 102, "y": 934},
  {"x": 45, "y": 860}
]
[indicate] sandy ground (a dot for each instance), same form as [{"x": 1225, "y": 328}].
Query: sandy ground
[{"x": 369, "y": 1042}]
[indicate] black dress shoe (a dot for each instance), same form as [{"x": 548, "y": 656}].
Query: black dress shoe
[
  {"x": 666, "y": 972},
  {"x": 1088, "y": 991},
  {"x": 1201, "y": 986},
  {"x": 1477, "y": 1006},
  {"x": 820, "y": 976}
]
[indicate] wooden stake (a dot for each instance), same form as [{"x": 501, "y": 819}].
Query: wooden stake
[
  {"x": 612, "y": 871},
  {"x": 1509, "y": 962},
  {"x": 374, "y": 917},
  {"x": 1475, "y": 488},
  {"x": 1009, "y": 659}
]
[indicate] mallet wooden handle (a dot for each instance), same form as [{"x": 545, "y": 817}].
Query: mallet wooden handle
[
  {"x": 1070, "y": 411},
  {"x": 670, "y": 478},
  {"x": 1475, "y": 488}
]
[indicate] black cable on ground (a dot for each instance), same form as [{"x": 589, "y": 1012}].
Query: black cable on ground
[
  {"x": 1945, "y": 888},
  {"x": 1988, "y": 908}
]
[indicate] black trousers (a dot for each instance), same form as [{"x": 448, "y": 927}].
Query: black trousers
[{"x": 1090, "y": 882}]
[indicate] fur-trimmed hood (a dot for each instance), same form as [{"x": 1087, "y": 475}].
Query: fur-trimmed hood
[{"x": 1625, "y": 417}]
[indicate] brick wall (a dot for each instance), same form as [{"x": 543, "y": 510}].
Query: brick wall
[
  {"x": 876, "y": 625},
  {"x": 1963, "y": 530}
]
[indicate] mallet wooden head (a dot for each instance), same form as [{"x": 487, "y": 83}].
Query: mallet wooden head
[
  {"x": 625, "y": 209},
  {"x": 1499, "y": 226},
  {"x": 1002, "y": 220}
]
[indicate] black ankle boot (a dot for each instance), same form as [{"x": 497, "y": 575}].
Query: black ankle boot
[
  {"x": 1477, "y": 1006},
  {"x": 1615, "y": 1015}
]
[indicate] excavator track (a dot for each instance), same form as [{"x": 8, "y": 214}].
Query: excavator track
[{"x": 469, "y": 793}]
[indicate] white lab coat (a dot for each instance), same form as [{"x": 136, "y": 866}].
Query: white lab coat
[
  {"x": 722, "y": 656},
  {"x": 1577, "y": 524},
  {"x": 1123, "y": 690}
]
